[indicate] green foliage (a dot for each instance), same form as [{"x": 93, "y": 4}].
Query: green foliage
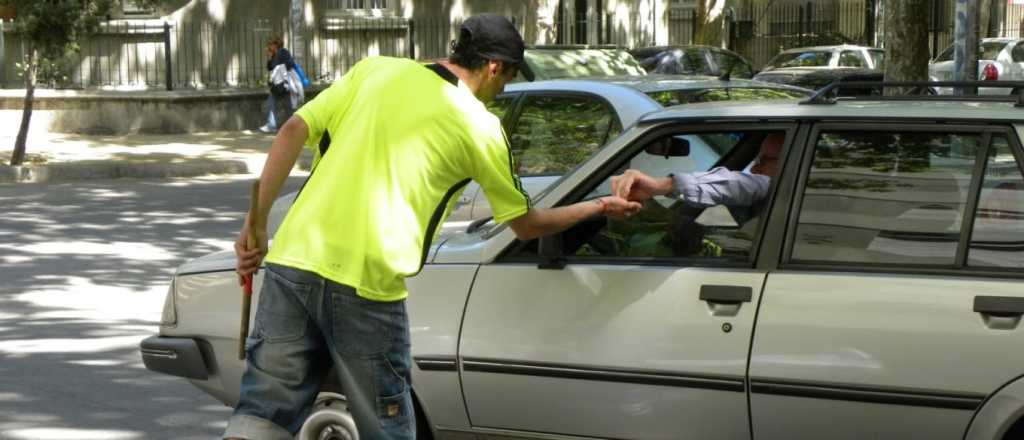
[{"x": 53, "y": 29}]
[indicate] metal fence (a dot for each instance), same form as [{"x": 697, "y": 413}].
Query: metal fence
[
  {"x": 761, "y": 33},
  {"x": 211, "y": 55}
]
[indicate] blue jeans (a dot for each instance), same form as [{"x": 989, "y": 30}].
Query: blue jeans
[
  {"x": 302, "y": 322},
  {"x": 271, "y": 107}
]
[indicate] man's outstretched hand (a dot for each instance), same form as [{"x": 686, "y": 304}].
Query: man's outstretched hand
[{"x": 636, "y": 186}]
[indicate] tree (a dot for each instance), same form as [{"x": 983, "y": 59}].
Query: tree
[
  {"x": 708, "y": 24},
  {"x": 906, "y": 41},
  {"x": 52, "y": 30}
]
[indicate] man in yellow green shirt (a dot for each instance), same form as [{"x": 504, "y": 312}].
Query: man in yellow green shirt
[{"x": 404, "y": 139}]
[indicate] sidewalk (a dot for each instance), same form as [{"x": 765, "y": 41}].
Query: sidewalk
[{"x": 69, "y": 157}]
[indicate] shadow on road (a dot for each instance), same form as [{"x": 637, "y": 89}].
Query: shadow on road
[{"x": 83, "y": 272}]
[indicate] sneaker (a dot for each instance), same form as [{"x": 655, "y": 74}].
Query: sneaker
[{"x": 268, "y": 129}]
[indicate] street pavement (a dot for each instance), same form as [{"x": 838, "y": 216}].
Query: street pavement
[{"x": 84, "y": 266}]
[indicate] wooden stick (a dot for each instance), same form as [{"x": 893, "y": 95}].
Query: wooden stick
[{"x": 250, "y": 243}]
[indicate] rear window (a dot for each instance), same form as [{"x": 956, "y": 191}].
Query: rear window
[
  {"x": 675, "y": 97},
  {"x": 986, "y": 51},
  {"x": 801, "y": 59}
]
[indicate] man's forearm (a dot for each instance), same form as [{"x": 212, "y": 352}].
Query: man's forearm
[
  {"x": 538, "y": 222},
  {"x": 280, "y": 160}
]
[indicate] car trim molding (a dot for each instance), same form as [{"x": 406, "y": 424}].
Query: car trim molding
[
  {"x": 858, "y": 393},
  {"x": 436, "y": 363},
  {"x": 641, "y": 377}
]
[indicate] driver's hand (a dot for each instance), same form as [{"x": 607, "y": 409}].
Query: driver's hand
[
  {"x": 636, "y": 186},
  {"x": 618, "y": 208},
  {"x": 248, "y": 259}
]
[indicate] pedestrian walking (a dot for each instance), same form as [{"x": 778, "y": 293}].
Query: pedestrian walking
[
  {"x": 286, "y": 86},
  {"x": 404, "y": 139}
]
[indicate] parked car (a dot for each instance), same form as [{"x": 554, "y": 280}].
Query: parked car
[
  {"x": 817, "y": 80},
  {"x": 573, "y": 61},
  {"x": 693, "y": 60},
  {"x": 999, "y": 59},
  {"x": 882, "y": 274},
  {"x": 789, "y": 65}
]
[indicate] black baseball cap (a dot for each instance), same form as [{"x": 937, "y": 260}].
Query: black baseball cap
[{"x": 493, "y": 37}]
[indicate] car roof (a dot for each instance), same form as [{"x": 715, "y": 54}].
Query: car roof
[
  {"x": 627, "y": 94},
  {"x": 924, "y": 110},
  {"x": 644, "y": 84}
]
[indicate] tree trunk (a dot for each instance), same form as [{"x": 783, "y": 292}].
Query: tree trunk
[
  {"x": 906, "y": 42},
  {"x": 707, "y": 22},
  {"x": 18, "y": 155}
]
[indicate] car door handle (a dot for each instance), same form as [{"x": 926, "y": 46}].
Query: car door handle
[
  {"x": 726, "y": 294},
  {"x": 999, "y": 312},
  {"x": 999, "y": 305},
  {"x": 725, "y": 300}
]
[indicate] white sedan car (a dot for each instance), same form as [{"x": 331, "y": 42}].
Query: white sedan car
[
  {"x": 999, "y": 59},
  {"x": 876, "y": 291}
]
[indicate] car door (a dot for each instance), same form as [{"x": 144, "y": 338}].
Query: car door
[
  {"x": 634, "y": 329},
  {"x": 896, "y": 308}
]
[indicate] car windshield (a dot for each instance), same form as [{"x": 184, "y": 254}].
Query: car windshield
[
  {"x": 988, "y": 50},
  {"x": 679, "y": 62},
  {"x": 675, "y": 97},
  {"x": 801, "y": 59},
  {"x": 727, "y": 62}
]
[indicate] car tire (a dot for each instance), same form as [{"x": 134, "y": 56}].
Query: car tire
[{"x": 329, "y": 420}]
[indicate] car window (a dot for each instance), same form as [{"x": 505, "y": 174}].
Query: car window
[
  {"x": 726, "y": 61},
  {"x": 500, "y": 105},
  {"x": 877, "y": 58},
  {"x": 997, "y": 239},
  {"x": 801, "y": 59},
  {"x": 986, "y": 51},
  {"x": 885, "y": 197},
  {"x": 720, "y": 227},
  {"x": 554, "y": 134},
  {"x": 1018, "y": 53},
  {"x": 851, "y": 58},
  {"x": 689, "y": 61},
  {"x": 990, "y": 50},
  {"x": 675, "y": 97}
]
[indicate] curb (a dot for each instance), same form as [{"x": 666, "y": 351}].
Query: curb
[{"x": 72, "y": 171}]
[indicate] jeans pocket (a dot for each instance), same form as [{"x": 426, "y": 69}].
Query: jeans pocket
[
  {"x": 394, "y": 402},
  {"x": 281, "y": 315}
]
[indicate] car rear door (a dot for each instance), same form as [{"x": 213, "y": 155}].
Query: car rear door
[
  {"x": 896, "y": 309},
  {"x": 618, "y": 339}
]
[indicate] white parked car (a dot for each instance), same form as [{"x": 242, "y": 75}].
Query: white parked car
[
  {"x": 789, "y": 66},
  {"x": 999, "y": 59},
  {"x": 876, "y": 292}
]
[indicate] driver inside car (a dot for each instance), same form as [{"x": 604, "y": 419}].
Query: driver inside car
[{"x": 742, "y": 193}]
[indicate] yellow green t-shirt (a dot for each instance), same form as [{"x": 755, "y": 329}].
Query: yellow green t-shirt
[{"x": 403, "y": 143}]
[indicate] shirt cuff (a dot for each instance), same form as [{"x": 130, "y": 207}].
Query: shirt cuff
[{"x": 679, "y": 184}]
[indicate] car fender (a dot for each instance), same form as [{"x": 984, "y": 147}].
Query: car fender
[{"x": 999, "y": 412}]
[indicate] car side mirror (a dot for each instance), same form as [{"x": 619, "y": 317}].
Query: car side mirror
[
  {"x": 552, "y": 252},
  {"x": 671, "y": 146}
]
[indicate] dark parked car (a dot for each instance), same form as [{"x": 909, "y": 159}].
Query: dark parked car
[
  {"x": 822, "y": 78},
  {"x": 692, "y": 60}
]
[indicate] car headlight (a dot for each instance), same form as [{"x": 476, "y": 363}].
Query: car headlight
[{"x": 169, "y": 317}]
